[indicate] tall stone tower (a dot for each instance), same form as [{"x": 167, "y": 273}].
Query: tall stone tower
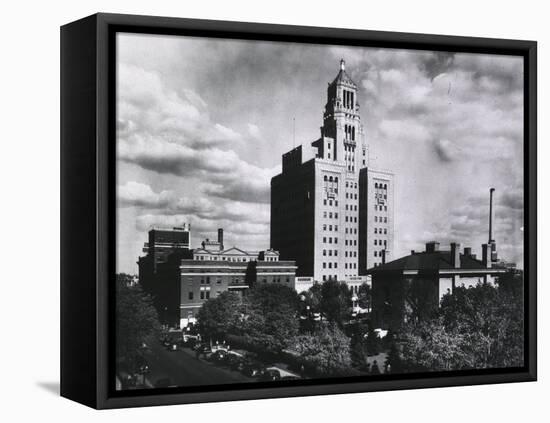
[{"x": 324, "y": 211}]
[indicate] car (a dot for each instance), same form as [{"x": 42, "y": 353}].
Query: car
[
  {"x": 142, "y": 366},
  {"x": 235, "y": 362},
  {"x": 219, "y": 356},
  {"x": 253, "y": 369},
  {"x": 173, "y": 346},
  {"x": 270, "y": 375}
]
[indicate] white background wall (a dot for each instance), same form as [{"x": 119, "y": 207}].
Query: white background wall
[{"x": 29, "y": 166}]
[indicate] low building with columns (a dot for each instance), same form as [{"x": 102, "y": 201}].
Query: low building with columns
[{"x": 428, "y": 274}]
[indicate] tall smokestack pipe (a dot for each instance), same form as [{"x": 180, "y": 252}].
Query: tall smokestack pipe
[
  {"x": 220, "y": 238},
  {"x": 384, "y": 256},
  {"x": 491, "y": 191}
]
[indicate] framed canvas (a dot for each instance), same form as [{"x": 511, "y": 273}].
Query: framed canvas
[{"x": 255, "y": 211}]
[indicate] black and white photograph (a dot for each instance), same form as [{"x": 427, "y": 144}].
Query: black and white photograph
[{"x": 292, "y": 211}]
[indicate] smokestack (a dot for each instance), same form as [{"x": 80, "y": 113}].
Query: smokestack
[
  {"x": 491, "y": 191},
  {"x": 455, "y": 255},
  {"x": 383, "y": 256},
  {"x": 467, "y": 251},
  {"x": 220, "y": 238}
]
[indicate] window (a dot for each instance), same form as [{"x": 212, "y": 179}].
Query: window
[
  {"x": 330, "y": 215},
  {"x": 375, "y": 230},
  {"x": 330, "y": 265},
  {"x": 324, "y": 252},
  {"x": 202, "y": 295},
  {"x": 325, "y": 214},
  {"x": 336, "y": 240},
  {"x": 190, "y": 295},
  {"x": 335, "y": 265},
  {"x": 325, "y": 265},
  {"x": 207, "y": 295},
  {"x": 324, "y": 227},
  {"x": 336, "y": 215},
  {"x": 376, "y": 254},
  {"x": 324, "y": 239},
  {"x": 376, "y": 218},
  {"x": 330, "y": 252},
  {"x": 330, "y": 240},
  {"x": 330, "y": 227},
  {"x": 335, "y": 227},
  {"x": 335, "y": 252},
  {"x": 324, "y": 202},
  {"x": 375, "y": 242}
]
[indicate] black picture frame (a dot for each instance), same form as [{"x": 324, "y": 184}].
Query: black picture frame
[{"x": 88, "y": 202}]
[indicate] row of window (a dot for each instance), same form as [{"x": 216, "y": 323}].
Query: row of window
[
  {"x": 351, "y": 207},
  {"x": 351, "y": 184},
  {"x": 351, "y": 242},
  {"x": 379, "y": 231},
  {"x": 351, "y": 196},
  {"x": 330, "y": 178},
  {"x": 351, "y": 266},
  {"x": 381, "y": 219},
  {"x": 330, "y": 202},
  {"x": 351, "y": 219},
  {"x": 380, "y": 185},
  {"x": 330, "y": 252},
  {"x": 330, "y": 240},
  {"x": 352, "y": 230},
  {"x": 330, "y": 265},
  {"x": 329, "y": 227},
  {"x": 380, "y": 208},
  {"x": 329, "y": 277},
  {"x": 351, "y": 254},
  {"x": 379, "y": 242},
  {"x": 330, "y": 215},
  {"x": 378, "y": 253}
]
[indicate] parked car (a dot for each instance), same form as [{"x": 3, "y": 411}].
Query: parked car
[
  {"x": 270, "y": 375},
  {"x": 219, "y": 356},
  {"x": 290, "y": 378},
  {"x": 253, "y": 369},
  {"x": 235, "y": 362},
  {"x": 142, "y": 366}
]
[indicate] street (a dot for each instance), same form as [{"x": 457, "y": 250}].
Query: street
[{"x": 184, "y": 369}]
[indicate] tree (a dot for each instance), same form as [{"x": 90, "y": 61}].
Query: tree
[
  {"x": 271, "y": 316},
  {"x": 136, "y": 320},
  {"x": 219, "y": 316},
  {"x": 335, "y": 301},
  {"x": 364, "y": 298},
  {"x": 475, "y": 327},
  {"x": 327, "y": 350}
]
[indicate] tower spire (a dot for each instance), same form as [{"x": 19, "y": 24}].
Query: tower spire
[{"x": 342, "y": 64}]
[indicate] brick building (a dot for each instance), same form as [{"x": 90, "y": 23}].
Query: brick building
[{"x": 186, "y": 278}]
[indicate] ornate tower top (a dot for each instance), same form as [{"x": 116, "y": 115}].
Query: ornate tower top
[{"x": 342, "y": 64}]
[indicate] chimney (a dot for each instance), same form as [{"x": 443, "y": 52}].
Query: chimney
[
  {"x": 432, "y": 247},
  {"x": 468, "y": 251},
  {"x": 486, "y": 260},
  {"x": 220, "y": 238},
  {"x": 491, "y": 191},
  {"x": 383, "y": 256},
  {"x": 455, "y": 255},
  {"x": 412, "y": 253}
]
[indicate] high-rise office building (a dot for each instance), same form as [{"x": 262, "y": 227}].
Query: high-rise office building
[{"x": 333, "y": 214}]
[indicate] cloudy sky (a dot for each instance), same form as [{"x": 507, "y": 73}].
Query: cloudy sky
[{"x": 202, "y": 125}]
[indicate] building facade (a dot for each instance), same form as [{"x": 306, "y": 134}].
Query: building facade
[
  {"x": 422, "y": 278},
  {"x": 186, "y": 278},
  {"x": 324, "y": 211}
]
